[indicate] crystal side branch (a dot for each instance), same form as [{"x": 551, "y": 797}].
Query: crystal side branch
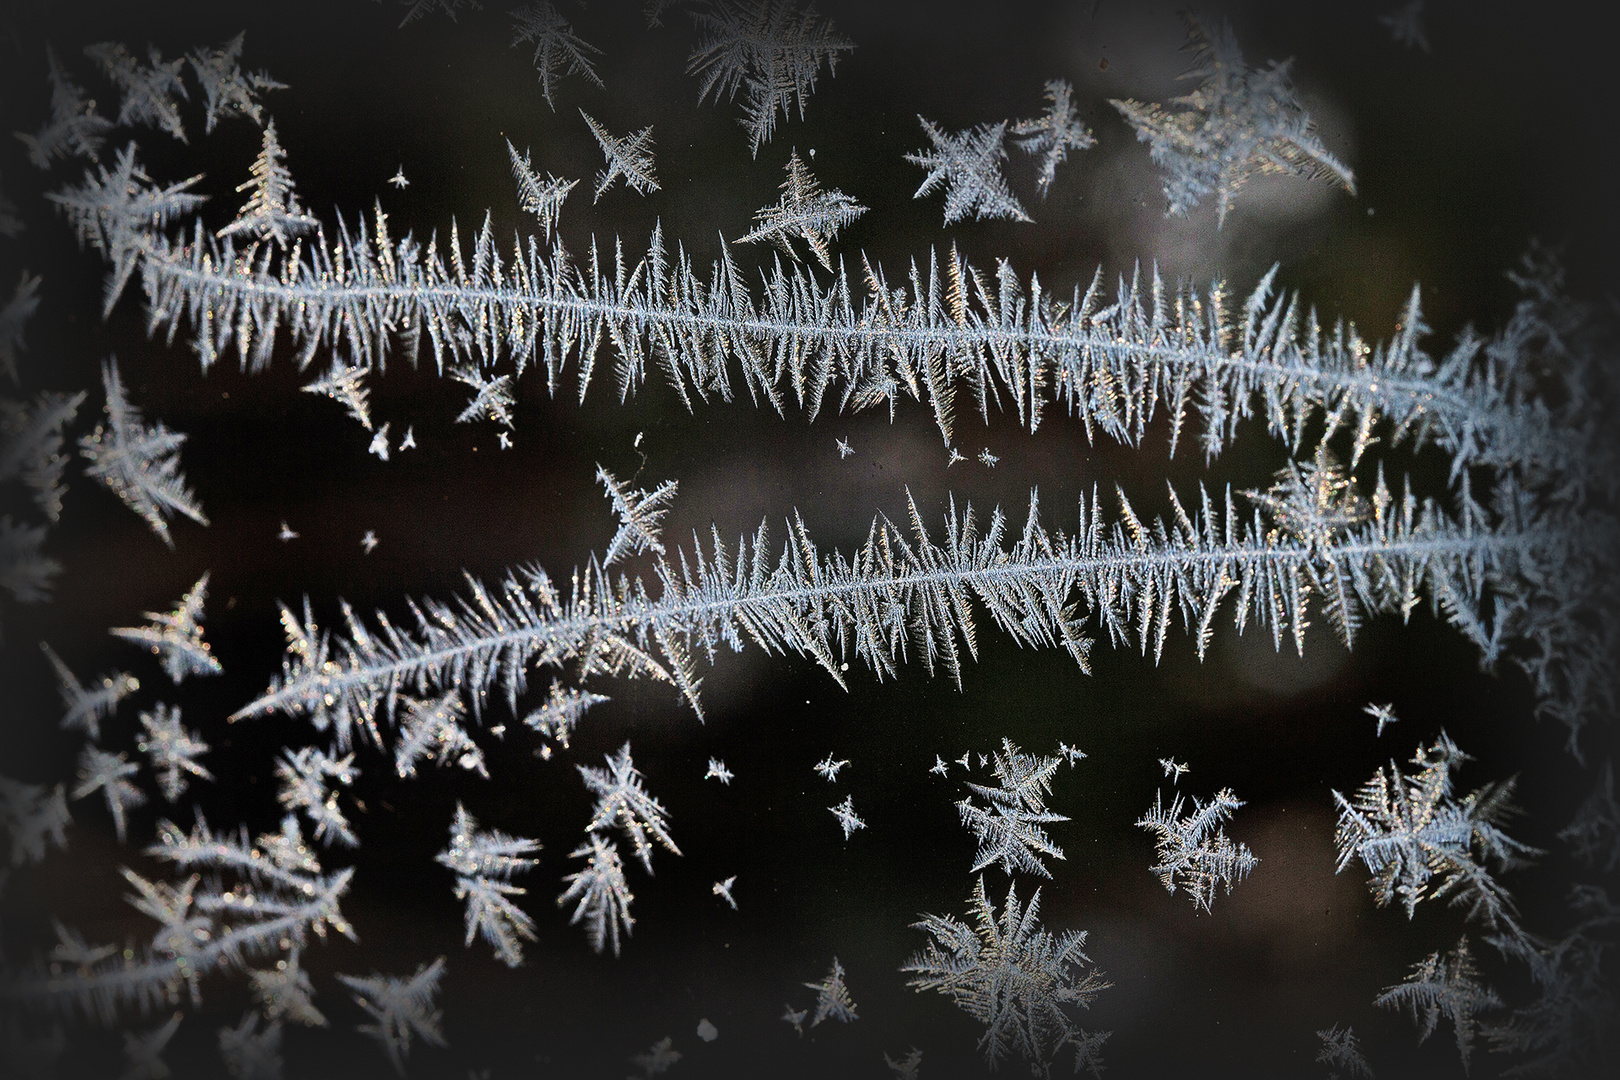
[
  {"x": 949, "y": 330},
  {"x": 902, "y": 590}
]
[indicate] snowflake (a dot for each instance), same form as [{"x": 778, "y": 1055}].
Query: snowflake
[
  {"x": 1194, "y": 851},
  {"x": 808, "y": 212},
  {"x": 621, "y": 801},
  {"x": 630, "y": 157},
  {"x": 176, "y": 637},
  {"x": 602, "y": 893},
  {"x": 848, "y": 820},
  {"x": 401, "y": 1008},
  {"x": 832, "y": 997},
  {"x": 1053, "y": 134}
]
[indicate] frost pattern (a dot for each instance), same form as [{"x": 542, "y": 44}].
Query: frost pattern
[
  {"x": 832, "y": 997},
  {"x": 172, "y": 750},
  {"x": 401, "y": 1008},
  {"x": 226, "y": 90},
  {"x": 139, "y": 463},
  {"x": 968, "y": 164},
  {"x": 542, "y": 198},
  {"x": 75, "y": 129},
  {"x": 1009, "y": 828},
  {"x": 769, "y": 51},
  {"x": 804, "y": 211},
  {"x": 640, "y": 514},
  {"x": 1447, "y": 986},
  {"x": 558, "y": 51},
  {"x": 149, "y": 92},
  {"x": 85, "y": 707},
  {"x": 1194, "y": 851},
  {"x": 1240, "y": 121},
  {"x": 272, "y": 210},
  {"x": 1053, "y": 134},
  {"x": 484, "y": 862},
  {"x": 1015, "y": 977},
  {"x": 602, "y": 894},
  {"x": 630, "y": 157},
  {"x": 622, "y": 803},
  {"x": 175, "y": 637}
]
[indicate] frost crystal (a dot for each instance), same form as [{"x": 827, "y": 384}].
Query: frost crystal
[
  {"x": 603, "y": 895},
  {"x": 75, "y": 129},
  {"x": 542, "y": 198},
  {"x": 1052, "y": 135},
  {"x": 623, "y": 803},
  {"x": 556, "y": 46},
  {"x": 432, "y": 729},
  {"x": 769, "y": 51},
  {"x": 31, "y": 441},
  {"x": 35, "y": 819},
  {"x": 483, "y": 861},
  {"x": 848, "y": 820},
  {"x": 1009, "y": 829},
  {"x": 1446, "y": 986},
  {"x": 640, "y": 515},
  {"x": 630, "y": 157},
  {"x": 87, "y": 706},
  {"x": 1012, "y": 975},
  {"x": 1417, "y": 840},
  {"x": 139, "y": 464},
  {"x": 1238, "y": 122},
  {"x": 304, "y": 776},
  {"x": 401, "y": 1008},
  {"x": 272, "y": 210},
  {"x": 109, "y": 773},
  {"x": 176, "y": 637},
  {"x": 148, "y": 92},
  {"x": 832, "y": 997},
  {"x": 171, "y": 750},
  {"x": 808, "y": 212},
  {"x": 345, "y": 384},
  {"x": 1194, "y": 851},
  {"x": 226, "y": 90},
  {"x": 969, "y": 165},
  {"x": 561, "y": 712},
  {"x": 492, "y": 398}
]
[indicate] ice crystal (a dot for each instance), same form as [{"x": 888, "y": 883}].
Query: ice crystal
[
  {"x": 149, "y": 92},
  {"x": 1053, "y": 134},
  {"x": 1015, "y": 977},
  {"x": 273, "y": 209},
  {"x": 1238, "y": 122},
  {"x": 804, "y": 211},
  {"x": 226, "y": 90},
  {"x": 109, "y": 774},
  {"x": 1446, "y": 986},
  {"x": 172, "y": 750},
  {"x": 176, "y": 637},
  {"x": 139, "y": 463},
  {"x": 542, "y": 198},
  {"x": 558, "y": 51},
  {"x": 767, "y": 49},
  {"x": 345, "y": 384},
  {"x": 75, "y": 129},
  {"x": 483, "y": 862},
  {"x": 602, "y": 894},
  {"x": 968, "y": 163},
  {"x": 848, "y": 819},
  {"x": 640, "y": 515},
  {"x": 630, "y": 156},
  {"x": 622, "y": 803},
  {"x": 1194, "y": 851},
  {"x": 401, "y": 1008},
  {"x": 85, "y": 707},
  {"x": 832, "y": 997},
  {"x": 561, "y": 712}
]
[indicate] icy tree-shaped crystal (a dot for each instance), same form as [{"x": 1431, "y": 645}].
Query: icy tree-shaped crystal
[
  {"x": 1419, "y": 841},
  {"x": 1013, "y": 976},
  {"x": 658, "y": 1059},
  {"x": 109, "y": 773},
  {"x": 143, "y": 1051},
  {"x": 622, "y": 803},
  {"x": 630, "y": 156},
  {"x": 483, "y": 862},
  {"x": 968, "y": 163},
  {"x": 1406, "y": 25},
  {"x": 86, "y": 706},
  {"x": 558, "y": 51},
  {"x": 491, "y": 400},
  {"x": 1009, "y": 829},
  {"x": 641, "y": 514},
  {"x": 829, "y": 768},
  {"x": 305, "y": 776},
  {"x": 31, "y": 446},
  {"x": 345, "y": 384},
  {"x": 34, "y": 817},
  {"x": 1194, "y": 850},
  {"x": 226, "y": 90},
  {"x": 248, "y": 1052},
  {"x": 285, "y": 992},
  {"x": 148, "y": 92},
  {"x": 805, "y": 211},
  {"x": 118, "y": 212},
  {"x": 13, "y": 317},
  {"x": 832, "y": 997},
  {"x": 1237, "y": 123},
  {"x": 176, "y": 637},
  {"x": 432, "y": 729},
  {"x": 718, "y": 771},
  {"x": 602, "y": 894},
  {"x": 722, "y": 889},
  {"x": 273, "y": 209},
  {"x": 1053, "y": 134},
  {"x": 139, "y": 463},
  {"x": 542, "y": 198},
  {"x": 767, "y": 49},
  {"x": 25, "y": 570},
  {"x": 557, "y": 717},
  {"x": 400, "y": 1008},
  {"x": 75, "y": 129},
  {"x": 1342, "y": 1050},
  {"x": 171, "y": 750},
  {"x": 1446, "y": 986},
  {"x": 848, "y": 819}
]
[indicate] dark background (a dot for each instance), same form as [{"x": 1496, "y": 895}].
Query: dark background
[{"x": 1462, "y": 156}]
